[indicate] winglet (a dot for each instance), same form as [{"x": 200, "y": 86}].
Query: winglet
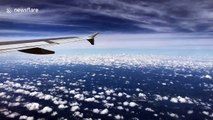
[{"x": 92, "y": 37}]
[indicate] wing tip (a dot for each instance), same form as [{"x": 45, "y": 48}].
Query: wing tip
[{"x": 91, "y": 38}]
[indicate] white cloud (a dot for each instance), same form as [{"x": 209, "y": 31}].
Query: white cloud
[
  {"x": 125, "y": 103},
  {"x": 96, "y": 110},
  {"x": 174, "y": 100},
  {"x": 34, "y": 93},
  {"x": 120, "y": 94},
  {"x": 78, "y": 114},
  {"x": 72, "y": 91},
  {"x": 127, "y": 60},
  {"x": 74, "y": 104},
  {"x": 120, "y": 108},
  {"x": 74, "y": 108},
  {"x": 190, "y": 112},
  {"x": 108, "y": 98},
  {"x": 105, "y": 111},
  {"x": 90, "y": 99},
  {"x": 118, "y": 117},
  {"x": 62, "y": 101},
  {"x": 94, "y": 92},
  {"x": 158, "y": 98},
  {"x": 163, "y": 84},
  {"x": 22, "y": 91},
  {"x": 2, "y": 94},
  {"x": 54, "y": 113},
  {"x": 61, "y": 106},
  {"x": 79, "y": 96},
  {"x": 46, "y": 109},
  {"x": 208, "y": 77},
  {"x": 110, "y": 91},
  {"x": 205, "y": 112},
  {"x": 30, "y": 118},
  {"x": 98, "y": 96},
  {"x": 48, "y": 97},
  {"x": 173, "y": 115},
  {"x": 138, "y": 89},
  {"x": 109, "y": 105},
  {"x": 14, "y": 104},
  {"x": 88, "y": 118},
  {"x": 158, "y": 28},
  {"x": 17, "y": 85},
  {"x": 13, "y": 115},
  {"x": 32, "y": 106},
  {"x": 181, "y": 99},
  {"x": 149, "y": 109},
  {"x": 165, "y": 98},
  {"x": 19, "y": 98},
  {"x": 142, "y": 95},
  {"x": 24, "y": 117},
  {"x": 132, "y": 104}
]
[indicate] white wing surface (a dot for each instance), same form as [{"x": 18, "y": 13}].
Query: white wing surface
[{"x": 35, "y": 46}]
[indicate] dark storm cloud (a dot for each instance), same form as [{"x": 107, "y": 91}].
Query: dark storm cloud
[{"x": 109, "y": 15}]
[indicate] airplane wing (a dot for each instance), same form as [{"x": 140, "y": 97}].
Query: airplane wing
[{"x": 35, "y": 46}]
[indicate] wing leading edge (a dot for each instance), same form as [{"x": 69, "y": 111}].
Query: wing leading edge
[{"x": 34, "y": 46}]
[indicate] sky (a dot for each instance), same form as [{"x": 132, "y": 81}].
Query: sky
[{"x": 132, "y": 23}]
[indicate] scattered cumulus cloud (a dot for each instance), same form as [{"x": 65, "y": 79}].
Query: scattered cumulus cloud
[
  {"x": 104, "y": 111},
  {"x": 46, "y": 109},
  {"x": 32, "y": 106}
]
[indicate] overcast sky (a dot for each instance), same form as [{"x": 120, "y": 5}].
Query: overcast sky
[{"x": 132, "y": 19}]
